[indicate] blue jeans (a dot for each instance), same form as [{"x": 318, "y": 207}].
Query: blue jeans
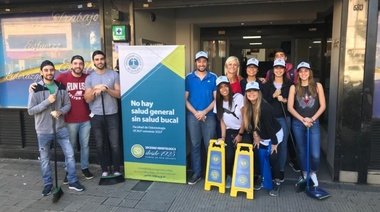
[
  {"x": 199, "y": 130},
  {"x": 81, "y": 129},
  {"x": 44, "y": 142},
  {"x": 103, "y": 126},
  {"x": 299, "y": 131},
  {"x": 283, "y": 146}
]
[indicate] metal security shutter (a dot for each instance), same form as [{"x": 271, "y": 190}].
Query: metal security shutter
[
  {"x": 10, "y": 130},
  {"x": 374, "y": 162},
  {"x": 30, "y": 136}
]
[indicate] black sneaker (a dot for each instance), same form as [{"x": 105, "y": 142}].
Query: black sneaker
[
  {"x": 47, "y": 190},
  {"x": 276, "y": 189},
  {"x": 194, "y": 179},
  {"x": 65, "y": 181},
  {"x": 87, "y": 174},
  {"x": 76, "y": 186},
  {"x": 282, "y": 176},
  {"x": 295, "y": 166},
  {"x": 258, "y": 184}
]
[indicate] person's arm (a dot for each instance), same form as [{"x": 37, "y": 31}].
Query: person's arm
[
  {"x": 322, "y": 102},
  {"x": 211, "y": 105},
  {"x": 34, "y": 107},
  {"x": 223, "y": 128},
  {"x": 114, "y": 92},
  {"x": 295, "y": 114}
]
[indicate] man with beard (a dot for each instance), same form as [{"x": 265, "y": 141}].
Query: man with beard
[
  {"x": 48, "y": 101},
  {"x": 200, "y": 93},
  {"x": 77, "y": 119},
  {"x": 102, "y": 90}
]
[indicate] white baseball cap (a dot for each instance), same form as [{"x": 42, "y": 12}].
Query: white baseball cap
[
  {"x": 279, "y": 62},
  {"x": 201, "y": 54},
  {"x": 252, "y": 86},
  {"x": 303, "y": 65},
  {"x": 253, "y": 61},
  {"x": 222, "y": 79}
]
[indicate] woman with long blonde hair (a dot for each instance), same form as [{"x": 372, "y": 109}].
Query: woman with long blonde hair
[
  {"x": 306, "y": 103},
  {"x": 232, "y": 72},
  {"x": 260, "y": 123}
]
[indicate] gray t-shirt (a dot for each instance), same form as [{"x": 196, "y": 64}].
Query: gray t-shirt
[{"x": 109, "y": 78}]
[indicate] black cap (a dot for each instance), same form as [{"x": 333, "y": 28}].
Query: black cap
[
  {"x": 46, "y": 63},
  {"x": 77, "y": 57}
]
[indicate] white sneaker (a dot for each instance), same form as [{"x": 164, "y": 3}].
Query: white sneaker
[
  {"x": 104, "y": 174},
  {"x": 313, "y": 177}
]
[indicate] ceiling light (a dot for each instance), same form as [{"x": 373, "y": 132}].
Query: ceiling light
[
  {"x": 89, "y": 4},
  {"x": 255, "y": 44},
  {"x": 252, "y": 37},
  {"x": 317, "y": 41}
]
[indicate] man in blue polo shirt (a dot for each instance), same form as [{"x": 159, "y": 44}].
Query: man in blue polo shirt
[{"x": 200, "y": 93}]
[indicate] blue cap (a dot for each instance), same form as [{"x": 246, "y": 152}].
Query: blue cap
[
  {"x": 222, "y": 79},
  {"x": 279, "y": 62},
  {"x": 303, "y": 65},
  {"x": 252, "y": 86},
  {"x": 201, "y": 54},
  {"x": 253, "y": 61}
]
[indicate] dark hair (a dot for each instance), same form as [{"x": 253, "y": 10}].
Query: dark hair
[
  {"x": 46, "y": 63},
  {"x": 96, "y": 53},
  {"x": 77, "y": 57},
  {"x": 219, "y": 100},
  {"x": 279, "y": 50}
]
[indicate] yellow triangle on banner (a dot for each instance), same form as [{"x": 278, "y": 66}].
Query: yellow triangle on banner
[{"x": 175, "y": 61}]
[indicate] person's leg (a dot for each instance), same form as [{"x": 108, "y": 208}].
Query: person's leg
[
  {"x": 315, "y": 146},
  {"x": 97, "y": 127},
  {"x": 299, "y": 132},
  {"x": 208, "y": 131},
  {"x": 84, "y": 137},
  {"x": 113, "y": 138},
  {"x": 194, "y": 130},
  {"x": 44, "y": 142},
  {"x": 283, "y": 146},
  {"x": 230, "y": 150},
  {"x": 63, "y": 138},
  {"x": 73, "y": 129}
]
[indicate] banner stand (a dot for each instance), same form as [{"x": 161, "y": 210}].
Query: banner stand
[
  {"x": 242, "y": 179},
  {"x": 215, "y": 171}
]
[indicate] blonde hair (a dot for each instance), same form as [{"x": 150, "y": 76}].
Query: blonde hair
[
  {"x": 252, "y": 113},
  {"x": 312, "y": 86},
  {"x": 228, "y": 61}
]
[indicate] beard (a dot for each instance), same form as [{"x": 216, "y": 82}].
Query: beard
[
  {"x": 77, "y": 71},
  {"x": 100, "y": 66}
]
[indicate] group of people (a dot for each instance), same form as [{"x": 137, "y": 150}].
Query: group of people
[
  {"x": 260, "y": 111},
  {"x": 62, "y": 114}
]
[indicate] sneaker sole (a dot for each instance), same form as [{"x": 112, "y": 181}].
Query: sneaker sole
[
  {"x": 65, "y": 183},
  {"x": 88, "y": 178},
  {"x": 273, "y": 195},
  {"x": 73, "y": 188},
  {"x": 44, "y": 195},
  {"x": 193, "y": 183}
]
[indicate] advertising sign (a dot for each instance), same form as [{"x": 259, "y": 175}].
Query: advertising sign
[{"x": 152, "y": 80}]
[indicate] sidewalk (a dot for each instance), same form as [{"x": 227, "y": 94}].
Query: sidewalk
[{"x": 21, "y": 186}]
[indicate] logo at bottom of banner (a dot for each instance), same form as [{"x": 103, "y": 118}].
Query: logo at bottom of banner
[
  {"x": 215, "y": 167},
  {"x": 243, "y": 172}
]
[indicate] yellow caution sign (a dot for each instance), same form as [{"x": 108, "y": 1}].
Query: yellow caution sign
[
  {"x": 215, "y": 171},
  {"x": 242, "y": 176}
]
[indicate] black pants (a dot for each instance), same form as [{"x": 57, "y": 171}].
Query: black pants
[{"x": 230, "y": 150}]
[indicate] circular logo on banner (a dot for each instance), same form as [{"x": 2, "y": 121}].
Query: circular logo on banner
[
  {"x": 133, "y": 63},
  {"x": 137, "y": 151},
  {"x": 242, "y": 180},
  {"x": 243, "y": 163},
  {"x": 215, "y": 159},
  {"x": 215, "y": 175}
]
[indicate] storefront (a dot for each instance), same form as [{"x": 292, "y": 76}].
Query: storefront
[{"x": 32, "y": 33}]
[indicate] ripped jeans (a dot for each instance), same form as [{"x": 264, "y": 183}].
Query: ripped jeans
[{"x": 44, "y": 142}]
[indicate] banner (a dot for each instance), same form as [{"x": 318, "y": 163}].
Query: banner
[{"x": 152, "y": 80}]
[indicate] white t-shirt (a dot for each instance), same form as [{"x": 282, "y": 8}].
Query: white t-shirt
[{"x": 232, "y": 116}]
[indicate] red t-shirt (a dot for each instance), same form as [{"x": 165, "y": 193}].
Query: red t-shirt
[
  {"x": 75, "y": 87},
  {"x": 236, "y": 86}
]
